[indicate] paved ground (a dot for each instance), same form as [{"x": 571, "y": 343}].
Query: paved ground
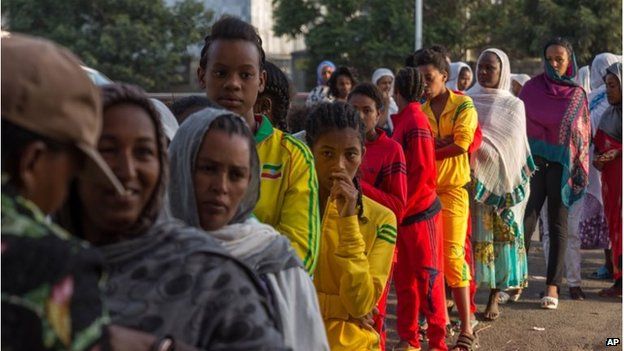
[{"x": 576, "y": 325}]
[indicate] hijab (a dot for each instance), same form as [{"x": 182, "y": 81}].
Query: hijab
[
  {"x": 456, "y": 68},
  {"x": 502, "y": 164},
  {"x": 259, "y": 245},
  {"x": 319, "y": 71},
  {"x": 598, "y": 97},
  {"x": 167, "y": 119},
  {"x": 558, "y": 125},
  {"x": 599, "y": 68},
  {"x": 70, "y": 216},
  {"x": 521, "y": 78},
  {"x": 611, "y": 121},
  {"x": 393, "y": 108}
]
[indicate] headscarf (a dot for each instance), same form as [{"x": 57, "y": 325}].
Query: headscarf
[
  {"x": 319, "y": 71},
  {"x": 558, "y": 125},
  {"x": 599, "y": 67},
  {"x": 393, "y": 108},
  {"x": 611, "y": 121},
  {"x": 167, "y": 119},
  {"x": 456, "y": 68},
  {"x": 503, "y": 164},
  {"x": 521, "y": 78},
  {"x": 183, "y": 154},
  {"x": 72, "y": 213},
  {"x": 259, "y": 245},
  {"x": 598, "y": 104},
  {"x": 582, "y": 78}
]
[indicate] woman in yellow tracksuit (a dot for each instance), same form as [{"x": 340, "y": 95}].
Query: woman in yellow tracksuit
[{"x": 358, "y": 235}]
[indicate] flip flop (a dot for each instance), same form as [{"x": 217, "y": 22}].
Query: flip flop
[
  {"x": 503, "y": 297},
  {"x": 549, "y": 303}
]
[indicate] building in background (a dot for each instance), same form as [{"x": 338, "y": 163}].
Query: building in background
[{"x": 279, "y": 50}]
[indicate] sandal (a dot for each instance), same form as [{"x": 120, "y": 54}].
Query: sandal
[
  {"x": 549, "y": 303},
  {"x": 465, "y": 342},
  {"x": 576, "y": 293},
  {"x": 503, "y": 297},
  {"x": 610, "y": 292}
]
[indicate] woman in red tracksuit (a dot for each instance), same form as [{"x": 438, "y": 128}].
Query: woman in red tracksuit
[{"x": 420, "y": 257}]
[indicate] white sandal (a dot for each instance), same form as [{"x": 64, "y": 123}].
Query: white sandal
[
  {"x": 503, "y": 297},
  {"x": 549, "y": 302}
]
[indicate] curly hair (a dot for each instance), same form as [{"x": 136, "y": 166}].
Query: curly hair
[
  {"x": 332, "y": 83},
  {"x": 432, "y": 57},
  {"x": 327, "y": 116},
  {"x": 231, "y": 28},
  {"x": 370, "y": 90},
  {"x": 409, "y": 84}
]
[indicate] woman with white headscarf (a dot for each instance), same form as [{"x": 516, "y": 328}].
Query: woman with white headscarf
[
  {"x": 501, "y": 169},
  {"x": 593, "y": 236},
  {"x": 460, "y": 78},
  {"x": 167, "y": 119},
  {"x": 383, "y": 78},
  {"x": 583, "y": 78},
  {"x": 517, "y": 82}
]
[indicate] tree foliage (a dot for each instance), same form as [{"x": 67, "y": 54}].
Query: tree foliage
[
  {"x": 138, "y": 41},
  {"x": 372, "y": 33}
]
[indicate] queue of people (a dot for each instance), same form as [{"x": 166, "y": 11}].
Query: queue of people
[{"x": 235, "y": 222}]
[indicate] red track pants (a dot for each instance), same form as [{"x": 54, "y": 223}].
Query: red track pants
[{"x": 419, "y": 281}]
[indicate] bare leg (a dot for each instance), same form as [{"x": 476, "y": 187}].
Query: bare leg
[{"x": 491, "y": 311}]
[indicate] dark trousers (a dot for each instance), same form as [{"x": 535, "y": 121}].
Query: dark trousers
[{"x": 546, "y": 183}]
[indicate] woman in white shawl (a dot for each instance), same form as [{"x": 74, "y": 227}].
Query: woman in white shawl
[
  {"x": 501, "y": 169},
  {"x": 215, "y": 184},
  {"x": 383, "y": 78},
  {"x": 517, "y": 82},
  {"x": 460, "y": 78}
]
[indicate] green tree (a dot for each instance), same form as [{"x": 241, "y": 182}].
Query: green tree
[
  {"x": 365, "y": 34},
  {"x": 371, "y": 33},
  {"x": 138, "y": 41}
]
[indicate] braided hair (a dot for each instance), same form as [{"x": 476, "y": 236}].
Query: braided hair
[
  {"x": 339, "y": 115},
  {"x": 409, "y": 84},
  {"x": 231, "y": 28},
  {"x": 277, "y": 89},
  {"x": 369, "y": 90}
]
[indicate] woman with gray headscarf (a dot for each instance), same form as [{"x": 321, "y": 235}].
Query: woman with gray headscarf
[
  {"x": 215, "y": 182},
  {"x": 164, "y": 277},
  {"x": 608, "y": 161}
]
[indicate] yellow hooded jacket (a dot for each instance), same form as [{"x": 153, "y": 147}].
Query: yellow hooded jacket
[
  {"x": 353, "y": 267},
  {"x": 288, "y": 190}
]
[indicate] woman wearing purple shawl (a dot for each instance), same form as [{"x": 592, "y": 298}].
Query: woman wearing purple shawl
[{"x": 558, "y": 129}]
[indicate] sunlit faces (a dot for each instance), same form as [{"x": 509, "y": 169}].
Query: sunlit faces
[
  {"x": 385, "y": 83},
  {"x": 489, "y": 70},
  {"x": 233, "y": 77},
  {"x": 344, "y": 84},
  {"x": 326, "y": 72},
  {"x": 434, "y": 80},
  {"x": 614, "y": 89},
  {"x": 129, "y": 146},
  {"x": 337, "y": 151},
  {"x": 221, "y": 177},
  {"x": 367, "y": 109},
  {"x": 464, "y": 79},
  {"x": 559, "y": 58}
]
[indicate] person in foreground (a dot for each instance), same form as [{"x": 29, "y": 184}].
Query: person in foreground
[
  {"x": 358, "y": 234},
  {"x": 165, "y": 278},
  {"x": 215, "y": 180}
]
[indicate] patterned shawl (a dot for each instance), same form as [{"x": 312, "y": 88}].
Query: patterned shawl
[
  {"x": 503, "y": 164},
  {"x": 558, "y": 125}
]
